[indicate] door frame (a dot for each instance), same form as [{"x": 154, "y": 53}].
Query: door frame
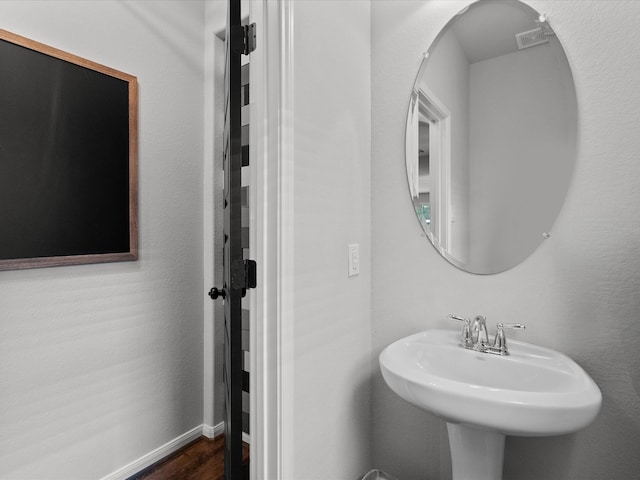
[
  {"x": 271, "y": 240},
  {"x": 433, "y": 110}
]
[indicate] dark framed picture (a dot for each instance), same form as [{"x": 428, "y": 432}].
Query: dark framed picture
[{"x": 68, "y": 158}]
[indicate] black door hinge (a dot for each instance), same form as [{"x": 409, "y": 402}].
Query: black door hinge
[
  {"x": 243, "y": 39},
  {"x": 250, "y": 274},
  {"x": 249, "y": 40}
]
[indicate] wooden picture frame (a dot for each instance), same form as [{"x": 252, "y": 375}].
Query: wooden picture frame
[{"x": 68, "y": 158}]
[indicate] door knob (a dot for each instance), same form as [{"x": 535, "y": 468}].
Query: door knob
[{"x": 215, "y": 293}]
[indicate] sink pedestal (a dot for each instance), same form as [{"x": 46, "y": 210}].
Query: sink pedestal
[
  {"x": 533, "y": 392},
  {"x": 476, "y": 454}
]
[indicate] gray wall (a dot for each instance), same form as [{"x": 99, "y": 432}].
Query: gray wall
[
  {"x": 578, "y": 293},
  {"x": 101, "y": 364}
]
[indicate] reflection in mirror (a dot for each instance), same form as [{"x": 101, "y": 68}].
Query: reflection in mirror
[
  {"x": 491, "y": 135},
  {"x": 423, "y": 169}
]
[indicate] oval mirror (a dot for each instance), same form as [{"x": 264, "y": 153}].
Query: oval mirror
[{"x": 491, "y": 136}]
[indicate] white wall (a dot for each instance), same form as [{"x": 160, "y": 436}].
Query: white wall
[
  {"x": 523, "y": 127},
  {"x": 577, "y": 293},
  {"x": 331, "y": 198},
  {"x": 101, "y": 364}
]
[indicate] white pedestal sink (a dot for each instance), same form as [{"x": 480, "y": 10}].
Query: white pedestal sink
[{"x": 534, "y": 391}]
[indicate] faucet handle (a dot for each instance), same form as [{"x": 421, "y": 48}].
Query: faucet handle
[
  {"x": 467, "y": 337},
  {"x": 518, "y": 326},
  {"x": 500, "y": 341}
]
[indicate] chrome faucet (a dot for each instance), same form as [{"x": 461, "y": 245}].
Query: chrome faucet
[
  {"x": 479, "y": 331},
  {"x": 475, "y": 336}
]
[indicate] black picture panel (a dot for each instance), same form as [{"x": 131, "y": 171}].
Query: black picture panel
[{"x": 68, "y": 159}]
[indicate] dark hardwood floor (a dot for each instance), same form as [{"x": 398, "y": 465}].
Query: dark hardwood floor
[{"x": 202, "y": 459}]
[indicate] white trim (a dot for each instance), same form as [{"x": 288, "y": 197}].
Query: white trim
[
  {"x": 285, "y": 226},
  {"x": 155, "y": 455},
  {"x": 168, "y": 448},
  {"x": 439, "y": 117},
  {"x": 259, "y": 211},
  {"x": 412, "y": 146},
  {"x": 271, "y": 419},
  {"x": 212, "y": 432}
]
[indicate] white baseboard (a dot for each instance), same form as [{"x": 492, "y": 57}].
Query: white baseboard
[
  {"x": 211, "y": 432},
  {"x": 157, "y": 454},
  {"x": 167, "y": 449}
]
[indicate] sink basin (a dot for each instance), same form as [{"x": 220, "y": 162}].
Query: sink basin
[{"x": 534, "y": 391}]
